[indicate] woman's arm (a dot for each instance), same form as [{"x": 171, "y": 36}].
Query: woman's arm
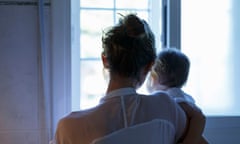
[
  {"x": 196, "y": 124},
  {"x": 203, "y": 140}
]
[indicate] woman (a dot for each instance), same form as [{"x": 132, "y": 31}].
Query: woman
[{"x": 128, "y": 54}]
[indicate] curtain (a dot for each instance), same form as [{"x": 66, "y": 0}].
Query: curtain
[{"x": 45, "y": 102}]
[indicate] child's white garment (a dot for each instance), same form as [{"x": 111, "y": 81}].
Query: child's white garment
[{"x": 179, "y": 95}]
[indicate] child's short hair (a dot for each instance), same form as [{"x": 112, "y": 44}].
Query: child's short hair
[{"x": 171, "y": 67}]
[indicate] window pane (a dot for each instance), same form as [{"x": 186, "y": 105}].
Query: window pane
[
  {"x": 97, "y": 3},
  {"x": 207, "y": 34},
  {"x": 133, "y": 4},
  {"x": 92, "y": 23},
  {"x": 92, "y": 83}
]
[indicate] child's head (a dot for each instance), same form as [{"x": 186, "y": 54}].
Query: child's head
[{"x": 171, "y": 68}]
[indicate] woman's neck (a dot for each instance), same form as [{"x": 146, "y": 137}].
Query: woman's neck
[{"x": 117, "y": 82}]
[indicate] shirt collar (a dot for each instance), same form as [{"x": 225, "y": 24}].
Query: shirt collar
[{"x": 120, "y": 92}]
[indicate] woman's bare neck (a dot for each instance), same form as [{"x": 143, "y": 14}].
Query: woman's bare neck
[{"x": 117, "y": 82}]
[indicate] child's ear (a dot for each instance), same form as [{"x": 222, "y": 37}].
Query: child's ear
[{"x": 104, "y": 61}]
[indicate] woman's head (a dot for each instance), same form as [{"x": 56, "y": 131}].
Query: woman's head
[
  {"x": 171, "y": 68},
  {"x": 129, "y": 46}
]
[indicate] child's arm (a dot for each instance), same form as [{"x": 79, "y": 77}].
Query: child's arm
[{"x": 196, "y": 124}]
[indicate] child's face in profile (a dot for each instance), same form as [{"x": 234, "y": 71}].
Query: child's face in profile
[{"x": 153, "y": 82}]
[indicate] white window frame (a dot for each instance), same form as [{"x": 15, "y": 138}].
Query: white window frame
[{"x": 61, "y": 60}]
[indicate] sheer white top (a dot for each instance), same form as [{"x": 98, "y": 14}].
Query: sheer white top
[
  {"x": 157, "y": 131},
  {"x": 120, "y": 110}
]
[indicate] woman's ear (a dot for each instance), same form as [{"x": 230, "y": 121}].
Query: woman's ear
[
  {"x": 148, "y": 67},
  {"x": 105, "y": 61}
]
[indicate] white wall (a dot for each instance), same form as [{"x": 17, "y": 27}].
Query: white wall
[{"x": 21, "y": 105}]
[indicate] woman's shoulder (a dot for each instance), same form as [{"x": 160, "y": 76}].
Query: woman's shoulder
[
  {"x": 73, "y": 117},
  {"x": 158, "y": 96},
  {"x": 162, "y": 106},
  {"x": 159, "y": 102}
]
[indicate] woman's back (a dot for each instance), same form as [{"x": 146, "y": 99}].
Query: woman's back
[{"x": 86, "y": 126}]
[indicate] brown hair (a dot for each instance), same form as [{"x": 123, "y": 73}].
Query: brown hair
[{"x": 129, "y": 46}]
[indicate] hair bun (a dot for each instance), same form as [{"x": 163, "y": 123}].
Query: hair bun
[{"x": 134, "y": 27}]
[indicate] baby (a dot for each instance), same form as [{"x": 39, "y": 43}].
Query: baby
[{"x": 169, "y": 73}]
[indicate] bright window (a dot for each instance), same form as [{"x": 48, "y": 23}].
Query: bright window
[
  {"x": 95, "y": 16},
  {"x": 66, "y": 62},
  {"x": 209, "y": 30}
]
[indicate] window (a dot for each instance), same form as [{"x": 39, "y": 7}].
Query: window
[
  {"x": 66, "y": 62},
  {"x": 209, "y": 38},
  {"x": 206, "y": 36},
  {"x": 95, "y": 16}
]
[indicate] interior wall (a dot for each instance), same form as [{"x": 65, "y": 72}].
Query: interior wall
[{"x": 21, "y": 107}]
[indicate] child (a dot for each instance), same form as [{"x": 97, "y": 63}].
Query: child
[{"x": 169, "y": 74}]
